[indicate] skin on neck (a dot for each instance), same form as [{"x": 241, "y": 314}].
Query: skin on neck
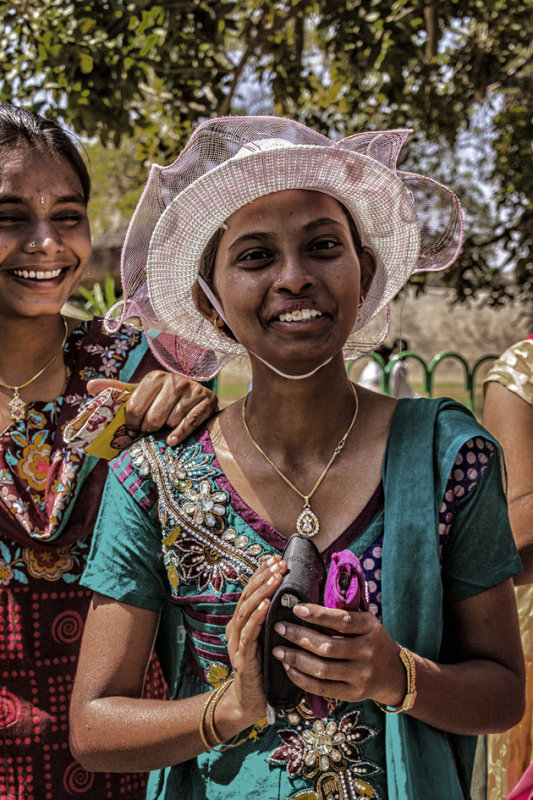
[
  {"x": 25, "y": 346},
  {"x": 286, "y": 413}
]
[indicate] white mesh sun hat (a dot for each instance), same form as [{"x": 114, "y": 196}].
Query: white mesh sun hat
[{"x": 412, "y": 223}]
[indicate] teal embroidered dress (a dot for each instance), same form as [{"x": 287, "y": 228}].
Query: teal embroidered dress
[{"x": 172, "y": 530}]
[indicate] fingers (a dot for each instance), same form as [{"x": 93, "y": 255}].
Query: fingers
[
  {"x": 184, "y": 420},
  {"x": 97, "y": 385},
  {"x": 335, "y": 619},
  {"x": 164, "y": 399},
  {"x": 253, "y": 603},
  {"x": 312, "y": 679},
  {"x": 244, "y": 629},
  {"x": 350, "y": 656},
  {"x": 328, "y": 665}
]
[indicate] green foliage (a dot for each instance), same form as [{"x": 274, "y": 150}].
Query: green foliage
[
  {"x": 97, "y": 301},
  {"x": 138, "y": 77}
]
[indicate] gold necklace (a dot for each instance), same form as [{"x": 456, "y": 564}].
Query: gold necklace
[
  {"x": 307, "y": 522},
  {"x": 17, "y": 404}
]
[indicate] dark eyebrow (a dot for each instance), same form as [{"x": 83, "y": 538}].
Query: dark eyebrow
[
  {"x": 10, "y": 198},
  {"x": 77, "y": 197},
  {"x": 315, "y": 223}
]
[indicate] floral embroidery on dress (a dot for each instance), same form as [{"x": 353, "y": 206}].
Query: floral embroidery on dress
[
  {"x": 197, "y": 544},
  {"x": 203, "y": 564},
  {"x": 205, "y": 506},
  {"x": 316, "y": 747},
  {"x": 189, "y": 465}
]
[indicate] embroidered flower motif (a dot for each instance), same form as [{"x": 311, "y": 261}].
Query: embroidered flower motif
[
  {"x": 186, "y": 465},
  {"x": 34, "y": 463},
  {"x": 176, "y": 472},
  {"x": 48, "y": 564},
  {"x": 204, "y": 506},
  {"x": 6, "y": 573},
  {"x": 325, "y": 746},
  {"x": 204, "y": 564},
  {"x": 217, "y": 674},
  {"x": 11, "y": 565}
]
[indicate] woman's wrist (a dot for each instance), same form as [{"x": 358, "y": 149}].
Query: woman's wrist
[
  {"x": 228, "y": 717},
  {"x": 402, "y": 697}
]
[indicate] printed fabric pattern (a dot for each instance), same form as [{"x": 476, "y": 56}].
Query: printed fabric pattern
[{"x": 49, "y": 498}]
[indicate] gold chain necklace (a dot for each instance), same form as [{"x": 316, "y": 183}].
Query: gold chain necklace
[
  {"x": 307, "y": 522},
  {"x": 17, "y": 404}
]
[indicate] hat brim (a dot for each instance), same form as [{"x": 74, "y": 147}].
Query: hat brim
[{"x": 375, "y": 197}]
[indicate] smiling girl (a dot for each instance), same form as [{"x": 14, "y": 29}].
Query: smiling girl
[
  {"x": 49, "y": 493},
  {"x": 268, "y": 239}
]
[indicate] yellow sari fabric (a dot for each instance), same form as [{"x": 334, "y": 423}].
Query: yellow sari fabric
[{"x": 510, "y": 753}]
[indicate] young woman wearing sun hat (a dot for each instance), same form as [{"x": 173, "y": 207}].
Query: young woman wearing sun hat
[{"x": 266, "y": 238}]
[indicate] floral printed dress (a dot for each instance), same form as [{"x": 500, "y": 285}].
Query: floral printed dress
[
  {"x": 188, "y": 539},
  {"x": 49, "y": 497}
]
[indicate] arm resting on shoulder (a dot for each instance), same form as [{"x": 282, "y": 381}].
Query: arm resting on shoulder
[{"x": 164, "y": 399}]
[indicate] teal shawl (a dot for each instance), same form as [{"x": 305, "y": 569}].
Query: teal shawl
[{"x": 421, "y": 761}]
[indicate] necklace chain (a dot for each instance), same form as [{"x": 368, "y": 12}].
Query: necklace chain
[
  {"x": 307, "y": 523},
  {"x": 17, "y": 404}
]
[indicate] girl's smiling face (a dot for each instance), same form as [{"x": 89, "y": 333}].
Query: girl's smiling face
[
  {"x": 45, "y": 240},
  {"x": 288, "y": 276}
]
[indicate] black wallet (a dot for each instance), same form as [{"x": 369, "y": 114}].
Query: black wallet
[{"x": 302, "y": 583}]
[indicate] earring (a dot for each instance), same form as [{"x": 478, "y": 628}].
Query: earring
[
  {"x": 220, "y": 325},
  {"x": 362, "y": 301}
]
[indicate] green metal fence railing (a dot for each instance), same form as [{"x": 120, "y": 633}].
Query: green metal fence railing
[{"x": 428, "y": 370}]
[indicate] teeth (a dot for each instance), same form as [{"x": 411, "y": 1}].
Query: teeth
[
  {"x": 39, "y": 275},
  {"x": 297, "y": 316}
]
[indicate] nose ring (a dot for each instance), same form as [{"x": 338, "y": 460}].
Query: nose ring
[{"x": 32, "y": 244}]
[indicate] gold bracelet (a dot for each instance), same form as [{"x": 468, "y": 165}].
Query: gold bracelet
[
  {"x": 208, "y": 715},
  {"x": 408, "y": 701},
  {"x": 202, "y": 721},
  {"x": 217, "y": 694}
]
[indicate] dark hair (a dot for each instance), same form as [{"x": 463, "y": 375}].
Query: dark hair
[
  {"x": 400, "y": 344},
  {"x": 206, "y": 268},
  {"x": 22, "y": 128}
]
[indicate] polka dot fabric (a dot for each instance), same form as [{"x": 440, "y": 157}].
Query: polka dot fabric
[{"x": 472, "y": 460}]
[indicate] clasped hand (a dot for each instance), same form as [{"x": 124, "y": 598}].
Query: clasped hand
[{"x": 346, "y": 655}]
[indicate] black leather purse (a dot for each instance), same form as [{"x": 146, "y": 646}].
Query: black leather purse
[{"x": 302, "y": 583}]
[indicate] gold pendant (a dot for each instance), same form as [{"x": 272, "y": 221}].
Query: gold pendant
[
  {"x": 307, "y": 523},
  {"x": 17, "y": 406}
]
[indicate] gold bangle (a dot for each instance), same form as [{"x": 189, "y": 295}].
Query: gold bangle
[
  {"x": 202, "y": 721},
  {"x": 208, "y": 720},
  {"x": 217, "y": 694},
  {"x": 408, "y": 701}
]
